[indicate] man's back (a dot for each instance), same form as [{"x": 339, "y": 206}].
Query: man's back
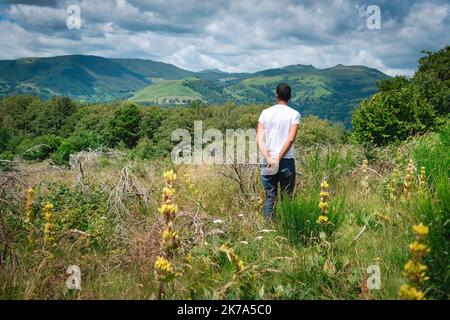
[{"x": 277, "y": 121}]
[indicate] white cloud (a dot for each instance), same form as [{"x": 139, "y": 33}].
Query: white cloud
[{"x": 230, "y": 35}]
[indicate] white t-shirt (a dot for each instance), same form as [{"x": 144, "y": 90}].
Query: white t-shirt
[{"x": 277, "y": 121}]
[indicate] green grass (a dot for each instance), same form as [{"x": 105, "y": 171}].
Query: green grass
[
  {"x": 170, "y": 89},
  {"x": 285, "y": 260}
]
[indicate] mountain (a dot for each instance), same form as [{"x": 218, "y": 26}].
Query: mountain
[{"x": 330, "y": 93}]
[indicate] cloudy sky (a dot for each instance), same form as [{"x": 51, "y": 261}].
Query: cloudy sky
[{"x": 231, "y": 35}]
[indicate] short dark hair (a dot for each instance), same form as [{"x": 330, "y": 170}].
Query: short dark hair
[{"x": 284, "y": 92}]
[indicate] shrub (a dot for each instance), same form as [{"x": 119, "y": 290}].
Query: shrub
[
  {"x": 38, "y": 148},
  {"x": 313, "y": 130},
  {"x": 77, "y": 142},
  {"x": 392, "y": 115}
]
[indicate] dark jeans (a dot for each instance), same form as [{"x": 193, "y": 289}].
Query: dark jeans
[{"x": 286, "y": 178}]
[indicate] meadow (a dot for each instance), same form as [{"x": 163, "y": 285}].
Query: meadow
[{"x": 104, "y": 218}]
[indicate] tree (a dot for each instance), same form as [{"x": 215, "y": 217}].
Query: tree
[
  {"x": 51, "y": 115},
  {"x": 392, "y": 115},
  {"x": 151, "y": 121},
  {"x": 433, "y": 78},
  {"x": 124, "y": 126}
]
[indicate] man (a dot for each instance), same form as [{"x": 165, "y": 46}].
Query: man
[{"x": 277, "y": 129}]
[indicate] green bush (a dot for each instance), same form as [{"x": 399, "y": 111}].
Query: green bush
[
  {"x": 313, "y": 130},
  {"x": 392, "y": 115},
  {"x": 38, "y": 148},
  {"x": 75, "y": 143}
]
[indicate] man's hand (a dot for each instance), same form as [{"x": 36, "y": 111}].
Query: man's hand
[{"x": 272, "y": 162}]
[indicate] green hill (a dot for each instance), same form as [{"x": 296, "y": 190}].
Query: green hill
[{"x": 330, "y": 93}]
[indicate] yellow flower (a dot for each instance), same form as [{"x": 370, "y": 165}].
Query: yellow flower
[
  {"x": 324, "y": 194},
  {"x": 48, "y": 206},
  {"x": 163, "y": 266},
  {"x": 324, "y": 185},
  {"x": 170, "y": 176},
  {"x": 323, "y": 206},
  {"x": 419, "y": 249},
  {"x": 408, "y": 292},
  {"x": 168, "y": 192},
  {"x": 168, "y": 209},
  {"x": 30, "y": 191},
  {"x": 415, "y": 271},
  {"x": 188, "y": 258},
  {"x": 322, "y": 219},
  {"x": 420, "y": 230}
]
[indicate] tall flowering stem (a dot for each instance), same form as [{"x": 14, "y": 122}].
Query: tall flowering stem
[
  {"x": 423, "y": 180},
  {"x": 232, "y": 257},
  {"x": 408, "y": 182},
  {"x": 323, "y": 203},
  {"x": 365, "y": 176},
  {"x": 29, "y": 205},
  {"x": 415, "y": 269},
  {"x": 392, "y": 185},
  {"x": 47, "y": 212},
  {"x": 163, "y": 265}
]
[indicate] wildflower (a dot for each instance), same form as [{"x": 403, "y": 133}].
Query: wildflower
[
  {"x": 365, "y": 178},
  {"x": 259, "y": 237},
  {"x": 47, "y": 211},
  {"x": 218, "y": 221},
  {"x": 232, "y": 257},
  {"x": 170, "y": 177},
  {"x": 408, "y": 180},
  {"x": 418, "y": 249},
  {"x": 420, "y": 230},
  {"x": 168, "y": 193},
  {"x": 244, "y": 242},
  {"x": 168, "y": 210},
  {"x": 382, "y": 216},
  {"x": 163, "y": 266},
  {"x": 322, "y": 219},
  {"x": 422, "y": 180},
  {"x": 29, "y": 205},
  {"x": 323, "y": 206},
  {"x": 392, "y": 185},
  {"x": 408, "y": 292},
  {"x": 415, "y": 270},
  {"x": 188, "y": 258}
]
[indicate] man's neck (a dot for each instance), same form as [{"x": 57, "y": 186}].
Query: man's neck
[{"x": 282, "y": 102}]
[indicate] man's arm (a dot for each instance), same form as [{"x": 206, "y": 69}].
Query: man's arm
[
  {"x": 260, "y": 131},
  {"x": 289, "y": 141}
]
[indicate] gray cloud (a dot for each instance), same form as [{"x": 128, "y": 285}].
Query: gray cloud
[{"x": 231, "y": 35}]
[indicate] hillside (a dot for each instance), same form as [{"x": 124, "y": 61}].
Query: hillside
[{"x": 330, "y": 93}]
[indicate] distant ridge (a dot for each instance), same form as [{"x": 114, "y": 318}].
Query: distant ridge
[{"x": 330, "y": 93}]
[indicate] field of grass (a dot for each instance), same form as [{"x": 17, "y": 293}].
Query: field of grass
[
  {"x": 166, "y": 88},
  {"x": 105, "y": 220}
]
